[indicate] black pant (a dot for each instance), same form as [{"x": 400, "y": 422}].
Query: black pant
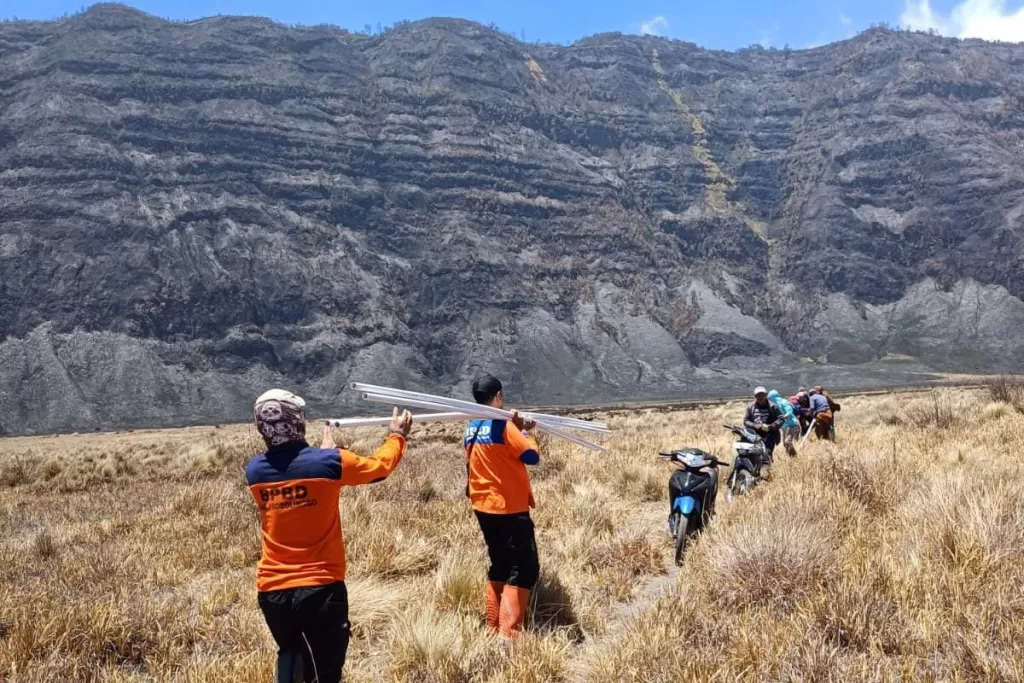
[
  {"x": 310, "y": 626},
  {"x": 771, "y": 440},
  {"x": 511, "y": 547}
]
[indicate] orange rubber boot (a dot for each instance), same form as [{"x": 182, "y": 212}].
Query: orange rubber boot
[
  {"x": 494, "y": 593},
  {"x": 515, "y": 602}
]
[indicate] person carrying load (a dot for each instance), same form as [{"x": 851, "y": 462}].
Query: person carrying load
[
  {"x": 821, "y": 413},
  {"x": 498, "y": 486},
  {"x": 300, "y": 576}
]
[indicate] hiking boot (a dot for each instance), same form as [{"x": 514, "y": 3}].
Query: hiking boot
[
  {"x": 495, "y": 589},
  {"x": 515, "y": 602}
]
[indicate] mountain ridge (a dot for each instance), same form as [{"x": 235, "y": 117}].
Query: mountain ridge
[{"x": 190, "y": 212}]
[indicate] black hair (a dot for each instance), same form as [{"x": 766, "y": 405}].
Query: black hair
[{"x": 485, "y": 388}]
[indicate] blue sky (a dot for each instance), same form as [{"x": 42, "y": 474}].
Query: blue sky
[{"x": 725, "y": 24}]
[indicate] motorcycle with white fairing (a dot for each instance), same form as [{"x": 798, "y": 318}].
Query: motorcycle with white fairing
[{"x": 750, "y": 461}]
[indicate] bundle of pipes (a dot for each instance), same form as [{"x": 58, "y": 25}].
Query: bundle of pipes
[
  {"x": 556, "y": 425},
  {"x": 344, "y": 422}
]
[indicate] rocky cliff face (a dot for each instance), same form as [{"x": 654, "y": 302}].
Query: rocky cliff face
[{"x": 193, "y": 212}]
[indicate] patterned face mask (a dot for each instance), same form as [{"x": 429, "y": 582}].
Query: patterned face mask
[{"x": 280, "y": 421}]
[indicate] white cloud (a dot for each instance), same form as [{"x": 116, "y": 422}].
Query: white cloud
[
  {"x": 845, "y": 20},
  {"x": 656, "y": 26},
  {"x": 988, "y": 19}
]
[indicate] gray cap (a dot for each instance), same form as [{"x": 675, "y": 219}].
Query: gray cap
[
  {"x": 760, "y": 390},
  {"x": 282, "y": 396}
]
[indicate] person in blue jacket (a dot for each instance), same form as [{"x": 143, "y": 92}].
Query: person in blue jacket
[{"x": 791, "y": 425}]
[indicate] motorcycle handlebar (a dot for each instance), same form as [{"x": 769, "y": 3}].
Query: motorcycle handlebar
[{"x": 711, "y": 461}]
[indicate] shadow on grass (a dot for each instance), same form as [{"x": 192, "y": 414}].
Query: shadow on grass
[{"x": 553, "y": 610}]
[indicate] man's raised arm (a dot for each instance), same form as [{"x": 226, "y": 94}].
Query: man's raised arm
[
  {"x": 356, "y": 469},
  {"x": 525, "y": 446}
]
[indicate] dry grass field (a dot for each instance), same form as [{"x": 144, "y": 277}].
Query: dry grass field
[{"x": 896, "y": 554}]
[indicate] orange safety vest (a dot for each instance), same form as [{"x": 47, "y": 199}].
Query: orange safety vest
[
  {"x": 296, "y": 488},
  {"x": 498, "y": 480}
]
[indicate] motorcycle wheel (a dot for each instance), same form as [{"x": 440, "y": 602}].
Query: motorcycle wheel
[
  {"x": 683, "y": 534},
  {"x": 741, "y": 483}
]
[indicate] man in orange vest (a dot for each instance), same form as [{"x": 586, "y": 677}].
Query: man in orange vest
[
  {"x": 499, "y": 490},
  {"x": 300, "y": 577}
]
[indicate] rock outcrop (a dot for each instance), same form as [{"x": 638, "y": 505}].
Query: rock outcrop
[{"x": 192, "y": 212}]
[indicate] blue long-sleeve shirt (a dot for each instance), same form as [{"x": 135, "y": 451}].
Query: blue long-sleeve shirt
[{"x": 819, "y": 404}]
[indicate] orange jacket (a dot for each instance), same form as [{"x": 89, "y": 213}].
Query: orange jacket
[
  {"x": 296, "y": 488},
  {"x": 498, "y": 480}
]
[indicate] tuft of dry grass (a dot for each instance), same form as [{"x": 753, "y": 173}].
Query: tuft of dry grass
[
  {"x": 939, "y": 411},
  {"x": 896, "y": 554},
  {"x": 1008, "y": 390},
  {"x": 775, "y": 566},
  {"x": 427, "y": 645},
  {"x": 459, "y": 584},
  {"x": 45, "y": 546}
]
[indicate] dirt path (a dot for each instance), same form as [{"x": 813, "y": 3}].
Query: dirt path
[{"x": 622, "y": 614}]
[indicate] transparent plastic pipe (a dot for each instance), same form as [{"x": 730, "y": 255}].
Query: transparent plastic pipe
[
  {"x": 472, "y": 410},
  {"x": 809, "y": 430},
  {"x": 430, "y": 402},
  {"x": 374, "y": 389},
  {"x": 575, "y": 420},
  {"x": 482, "y": 413},
  {"x": 582, "y": 425},
  {"x": 486, "y": 412},
  {"x": 458, "y": 404},
  {"x": 476, "y": 411},
  {"x": 347, "y": 422}
]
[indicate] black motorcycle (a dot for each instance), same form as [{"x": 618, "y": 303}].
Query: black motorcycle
[
  {"x": 750, "y": 461},
  {"x": 692, "y": 490}
]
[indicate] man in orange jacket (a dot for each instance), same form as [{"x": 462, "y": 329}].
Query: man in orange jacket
[
  {"x": 301, "y": 574},
  {"x": 497, "y": 453}
]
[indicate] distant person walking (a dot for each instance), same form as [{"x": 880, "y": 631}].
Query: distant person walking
[
  {"x": 790, "y": 425},
  {"x": 497, "y": 453},
  {"x": 821, "y": 414},
  {"x": 766, "y": 419},
  {"x": 802, "y": 408},
  {"x": 834, "y": 406},
  {"x": 301, "y": 573}
]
